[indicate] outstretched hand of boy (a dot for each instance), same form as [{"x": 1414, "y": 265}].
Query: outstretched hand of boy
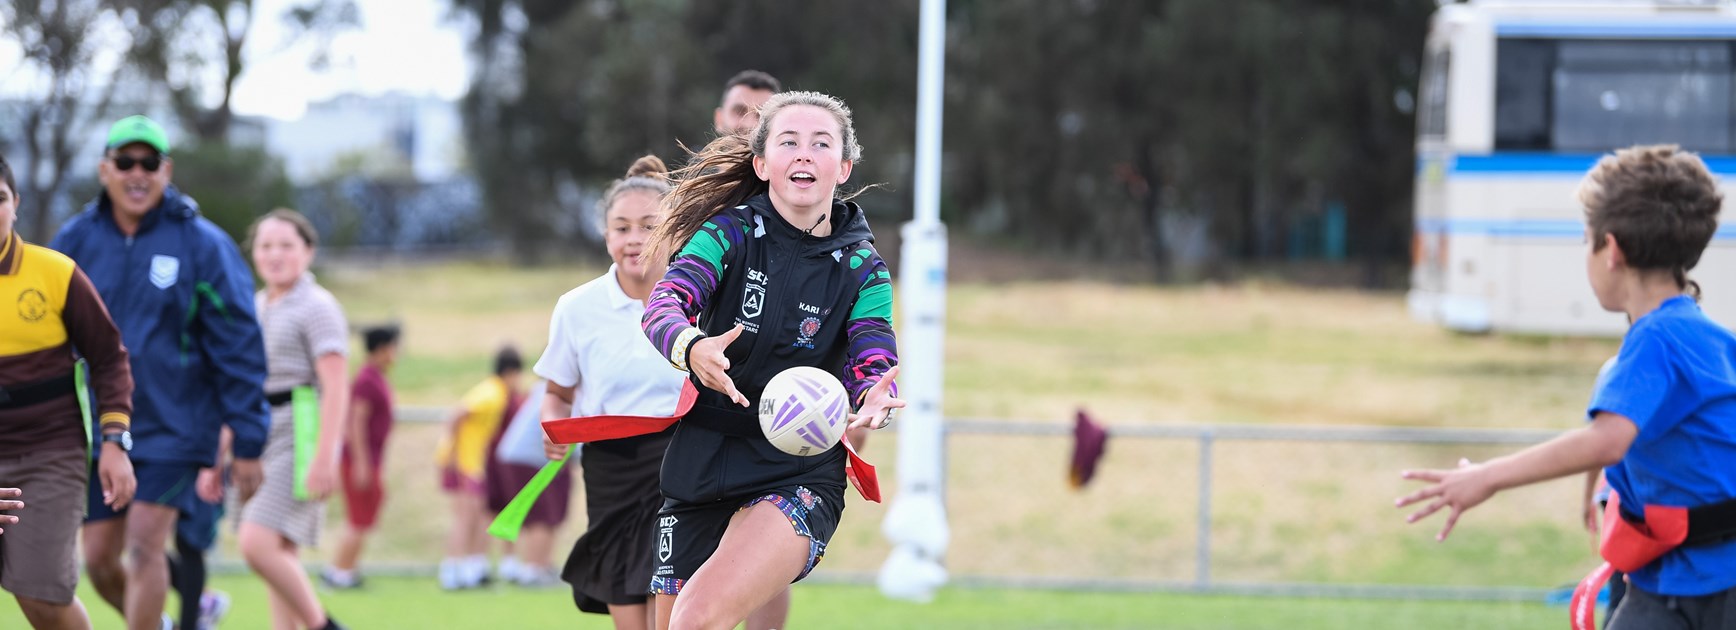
[{"x": 1461, "y": 489}]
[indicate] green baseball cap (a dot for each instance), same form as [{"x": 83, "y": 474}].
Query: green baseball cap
[{"x": 138, "y": 129}]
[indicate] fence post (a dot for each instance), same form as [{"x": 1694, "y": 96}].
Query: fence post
[{"x": 1203, "y": 566}]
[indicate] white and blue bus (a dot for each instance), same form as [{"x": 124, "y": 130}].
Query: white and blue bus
[{"x": 1518, "y": 100}]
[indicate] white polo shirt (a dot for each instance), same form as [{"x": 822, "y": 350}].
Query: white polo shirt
[{"x": 595, "y": 343}]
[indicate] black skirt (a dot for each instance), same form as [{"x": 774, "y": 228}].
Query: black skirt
[{"x": 611, "y": 563}]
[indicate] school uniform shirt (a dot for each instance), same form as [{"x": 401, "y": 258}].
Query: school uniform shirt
[
  {"x": 183, "y": 300},
  {"x": 51, "y": 314},
  {"x": 802, "y": 300},
  {"x": 486, "y": 404},
  {"x": 1675, "y": 377},
  {"x": 595, "y": 343},
  {"x": 371, "y": 387}
]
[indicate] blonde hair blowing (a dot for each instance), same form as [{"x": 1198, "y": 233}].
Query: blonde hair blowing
[{"x": 721, "y": 175}]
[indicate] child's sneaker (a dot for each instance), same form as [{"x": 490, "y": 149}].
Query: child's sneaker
[
  {"x": 537, "y": 577},
  {"x": 340, "y": 580},
  {"x": 213, "y": 605},
  {"x": 451, "y": 574}
]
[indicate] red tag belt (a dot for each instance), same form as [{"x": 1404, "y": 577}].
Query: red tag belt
[
  {"x": 598, "y": 428},
  {"x": 1627, "y": 547}
]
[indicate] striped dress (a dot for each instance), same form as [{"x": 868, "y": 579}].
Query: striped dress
[{"x": 301, "y": 326}]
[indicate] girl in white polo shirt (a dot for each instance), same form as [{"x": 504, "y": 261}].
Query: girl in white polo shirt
[{"x": 598, "y": 362}]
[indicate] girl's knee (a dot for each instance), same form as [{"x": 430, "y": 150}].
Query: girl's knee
[{"x": 693, "y": 613}]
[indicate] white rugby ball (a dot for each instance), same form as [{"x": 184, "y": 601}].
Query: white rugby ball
[{"x": 803, "y": 411}]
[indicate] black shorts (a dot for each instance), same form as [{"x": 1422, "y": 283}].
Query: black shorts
[
  {"x": 688, "y": 533},
  {"x": 1641, "y": 610}
]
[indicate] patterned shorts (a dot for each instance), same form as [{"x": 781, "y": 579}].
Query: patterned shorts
[{"x": 687, "y": 534}]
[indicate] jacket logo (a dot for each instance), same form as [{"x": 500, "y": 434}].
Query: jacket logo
[
  {"x": 753, "y": 299},
  {"x": 808, "y": 308},
  {"x": 805, "y": 334},
  {"x": 32, "y": 305},
  {"x": 164, "y": 270}
]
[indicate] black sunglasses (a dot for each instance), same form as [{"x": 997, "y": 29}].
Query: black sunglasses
[{"x": 151, "y": 163}]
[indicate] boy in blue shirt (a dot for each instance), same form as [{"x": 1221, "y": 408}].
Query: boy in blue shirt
[{"x": 1664, "y": 424}]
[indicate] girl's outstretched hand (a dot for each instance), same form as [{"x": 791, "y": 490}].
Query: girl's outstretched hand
[
  {"x": 877, "y": 406},
  {"x": 706, "y": 360}
]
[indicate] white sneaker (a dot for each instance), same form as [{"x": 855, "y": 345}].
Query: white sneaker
[
  {"x": 451, "y": 574},
  {"x": 510, "y": 570},
  {"x": 474, "y": 572},
  {"x": 537, "y": 577}
]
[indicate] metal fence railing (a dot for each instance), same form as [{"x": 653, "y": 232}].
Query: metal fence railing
[{"x": 1206, "y": 437}]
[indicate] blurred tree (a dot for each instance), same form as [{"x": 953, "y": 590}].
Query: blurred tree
[
  {"x": 59, "y": 41},
  {"x": 1112, "y": 130},
  {"x": 192, "y": 49},
  {"x": 233, "y": 184},
  {"x": 566, "y": 94}
]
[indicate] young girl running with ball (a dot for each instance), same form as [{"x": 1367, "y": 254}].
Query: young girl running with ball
[{"x": 772, "y": 271}]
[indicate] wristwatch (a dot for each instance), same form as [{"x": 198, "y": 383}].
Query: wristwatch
[{"x": 124, "y": 439}]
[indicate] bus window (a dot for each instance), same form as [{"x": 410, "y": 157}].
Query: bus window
[
  {"x": 1432, "y": 116},
  {"x": 1592, "y": 96},
  {"x": 1615, "y": 93},
  {"x": 1522, "y": 69}
]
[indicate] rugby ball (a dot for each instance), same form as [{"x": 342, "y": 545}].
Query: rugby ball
[{"x": 803, "y": 411}]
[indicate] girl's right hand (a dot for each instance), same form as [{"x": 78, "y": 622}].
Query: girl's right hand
[
  {"x": 706, "y": 360},
  {"x": 553, "y": 451}
]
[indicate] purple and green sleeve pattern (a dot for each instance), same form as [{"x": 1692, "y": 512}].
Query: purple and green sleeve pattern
[
  {"x": 685, "y": 289},
  {"x": 872, "y": 349}
]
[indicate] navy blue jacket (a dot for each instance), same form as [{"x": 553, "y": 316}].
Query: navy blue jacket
[{"x": 183, "y": 299}]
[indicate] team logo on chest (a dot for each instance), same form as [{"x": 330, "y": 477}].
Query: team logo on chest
[
  {"x": 164, "y": 270},
  {"x": 32, "y": 305},
  {"x": 753, "y": 298},
  {"x": 809, "y": 327}
]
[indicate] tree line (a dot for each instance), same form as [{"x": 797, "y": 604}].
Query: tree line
[
  {"x": 1182, "y": 137},
  {"x": 1146, "y": 132}
]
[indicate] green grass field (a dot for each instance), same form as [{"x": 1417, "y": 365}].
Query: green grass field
[
  {"x": 412, "y": 603},
  {"x": 1253, "y": 353}
]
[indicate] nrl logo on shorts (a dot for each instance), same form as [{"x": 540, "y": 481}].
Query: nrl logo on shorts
[
  {"x": 665, "y": 538},
  {"x": 164, "y": 270}
]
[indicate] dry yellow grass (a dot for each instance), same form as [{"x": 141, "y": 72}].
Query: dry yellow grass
[{"x": 1253, "y": 353}]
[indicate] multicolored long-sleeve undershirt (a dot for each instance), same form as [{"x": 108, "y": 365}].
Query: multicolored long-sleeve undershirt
[{"x": 687, "y": 290}]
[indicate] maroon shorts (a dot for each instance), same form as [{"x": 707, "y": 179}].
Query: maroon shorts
[
  {"x": 362, "y": 505},
  {"x": 550, "y": 509},
  {"x": 453, "y": 481}
]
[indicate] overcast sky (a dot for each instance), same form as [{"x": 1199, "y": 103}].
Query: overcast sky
[{"x": 403, "y": 45}]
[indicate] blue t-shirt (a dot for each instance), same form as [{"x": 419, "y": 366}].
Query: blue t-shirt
[{"x": 1675, "y": 377}]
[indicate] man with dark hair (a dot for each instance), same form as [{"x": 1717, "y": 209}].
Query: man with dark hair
[
  {"x": 364, "y": 454},
  {"x": 742, "y": 97},
  {"x": 183, "y": 300}
]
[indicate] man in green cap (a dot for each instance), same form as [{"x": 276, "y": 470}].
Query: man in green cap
[{"x": 182, "y": 297}]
